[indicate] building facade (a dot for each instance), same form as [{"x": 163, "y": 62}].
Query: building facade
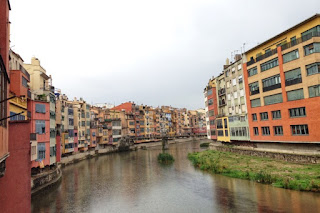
[{"x": 282, "y": 85}]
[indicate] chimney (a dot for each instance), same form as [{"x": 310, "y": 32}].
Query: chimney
[{"x": 227, "y": 64}]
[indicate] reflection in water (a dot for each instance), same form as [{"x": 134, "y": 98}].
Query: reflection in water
[{"x": 135, "y": 182}]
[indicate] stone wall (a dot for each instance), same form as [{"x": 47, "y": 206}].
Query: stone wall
[
  {"x": 289, "y": 157},
  {"x": 45, "y": 180}
]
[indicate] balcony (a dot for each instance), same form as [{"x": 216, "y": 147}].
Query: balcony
[
  {"x": 293, "y": 81},
  {"x": 300, "y": 40},
  {"x": 221, "y": 91},
  {"x": 19, "y": 101},
  {"x": 254, "y": 92},
  {"x": 261, "y": 57},
  {"x": 222, "y": 103},
  {"x": 275, "y": 86}
]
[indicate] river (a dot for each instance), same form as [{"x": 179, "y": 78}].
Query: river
[{"x": 135, "y": 182}]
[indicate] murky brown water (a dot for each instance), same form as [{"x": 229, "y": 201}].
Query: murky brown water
[{"x": 135, "y": 182}]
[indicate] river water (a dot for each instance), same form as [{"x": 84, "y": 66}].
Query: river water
[{"x": 135, "y": 182}]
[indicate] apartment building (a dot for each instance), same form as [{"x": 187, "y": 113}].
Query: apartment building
[
  {"x": 282, "y": 85},
  {"x": 211, "y": 108},
  {"x": 19, "y": 88},
  {"x": 42, "y": 108},
  {"x": 4, "y": 79},
  {"x": 236, "y": 103}
]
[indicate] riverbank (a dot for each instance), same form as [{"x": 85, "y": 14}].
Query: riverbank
[
  {"x": 45, "y": 180},
  {"x": 288, "y": 175}
]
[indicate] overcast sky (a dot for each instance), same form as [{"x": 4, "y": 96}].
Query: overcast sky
[{"x": 151, "y": 52}]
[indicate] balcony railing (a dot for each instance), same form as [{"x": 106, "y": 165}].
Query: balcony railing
[
  {"x": 293, "y": 81},
  {"x": 25, "y": 72},
  {"x": 254, "y": 92},
  {"x": 221, "y": 91},
  {"x": 275, "y": 86},
  {"x": 300, "y": 40}
]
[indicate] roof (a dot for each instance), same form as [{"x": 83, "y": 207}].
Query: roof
[
  {"x": 16, "y": 54},
  {"x": 317, "y": 15}
]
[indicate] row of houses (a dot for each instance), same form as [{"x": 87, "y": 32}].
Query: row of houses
[
  {"x": 60, "y": 126},
  {"x": 271, "y": 92}
]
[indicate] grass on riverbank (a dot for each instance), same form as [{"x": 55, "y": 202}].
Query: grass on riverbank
[
  {"x": 263, "y": 170},
  {"x": 165, "y": 158}
]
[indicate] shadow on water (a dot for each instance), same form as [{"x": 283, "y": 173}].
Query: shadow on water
[{"x": 136, "y": 182}]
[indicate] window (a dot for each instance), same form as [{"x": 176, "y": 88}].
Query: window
[
  {"x": 290, "y": 56},
  {"x": 254, "y": 117},
  {"x": 265, "y": 130},
  {"x": 3, "y": 93},
  {"x": 235, "y": 95},
  {"x": 295, "y": 95},
  {"x": 239, "y": 67},
  {"x": 269, "y": 64},
  {"x": 211, "y": 122},
  {"x": 219, "y": 124},
  {"x": 71, "y": 122},
  {"x": 297, "y": 112},
  {"x": 71, "y": 132},
  {"x": 52, "y": 133},
  {"x": 255, "y": 102},
  {"x": 240, "y": 79},
  {"x": 276, "y": 114},
  {"x": 220, "y": 132},
  {"x": 293, "y": 40},
  {"x": 254, "y": 88},
  {"x": 234, "y": 82},
  {"x": 252, "y": 71},
  {"x": 278, "y": 130},
  {"x": 271, "y": 83},
  {"x": 24, "y": 82},
  {"x": 293, "y": 77},
  {"x": 314, "y": 91},
  {"x": 225, "y": 123},
  {"x": 41, "y": 151},
  {"x": 312, "y": 48},
  {"x": 210, "y": 102},
  {"x": 16, "y": 117},
  {"x": 83, "y": 123},
  {"x": 255, "y": 130},
  {"x": 273, "y": 99},
  {"x": 40, "y": 127},
  {"x": 211, "y": 113},
  {"x": 131, "y": 123},
  {"x": 213, "y": 132},
  {"x": 313, "y": 68},
  {"x": 209, "y": 92},
  {"x": 263, "y": 116},
  {"x": 299, "y": 129},
  {"x": 40, "y": 108},
  {"x": 226, "y": 133},
  {"x": 53, "y": 151}
]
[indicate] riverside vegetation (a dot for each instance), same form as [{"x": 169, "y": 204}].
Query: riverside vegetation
[
  {"x": 165, "y": 158},
  {"x": 302, "y": 177}
]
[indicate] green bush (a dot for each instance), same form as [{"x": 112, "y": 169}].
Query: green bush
[
  {"x": 204, "y": 145},
  {"x": 165, "y": 158}
]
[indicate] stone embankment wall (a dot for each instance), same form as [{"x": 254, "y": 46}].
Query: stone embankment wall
[
  {"x": 45, "y": 179},
  {"x": 289, "y": 157}
]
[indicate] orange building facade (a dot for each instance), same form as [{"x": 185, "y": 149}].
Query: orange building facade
[{"x": 282, "y": 78}]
